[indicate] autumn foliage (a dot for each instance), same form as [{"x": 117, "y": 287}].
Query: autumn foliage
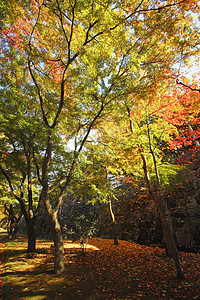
[{"x": 104, "y": 74}]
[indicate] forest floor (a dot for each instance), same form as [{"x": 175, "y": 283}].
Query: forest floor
[{"x": 126, "y": 271}]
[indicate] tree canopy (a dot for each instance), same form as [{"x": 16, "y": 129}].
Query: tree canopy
[{"x": 106, "y": 71}]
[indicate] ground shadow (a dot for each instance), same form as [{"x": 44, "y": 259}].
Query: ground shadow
[{"x": 31, "y": 276}]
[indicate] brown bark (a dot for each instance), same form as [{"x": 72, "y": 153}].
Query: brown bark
[
  {"x": 114, "y": 229},
  {"x": 29, "y": 215},
  {"x": 159, "y": 201},
  {"x": 13, "y": 222},
  {"x": 59, "y": 265},
  {"x": 115, "y": 233},
  {"x": 170, "y": 241},
  {"x": 166, "y": 222},
  {"x": 31, "y": 234},
  {"x": 55, "y": 226}
]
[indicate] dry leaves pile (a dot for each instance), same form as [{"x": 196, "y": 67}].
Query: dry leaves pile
[
  {"x": 132, "y": 271},
  {"x": 126, "y": 271}
]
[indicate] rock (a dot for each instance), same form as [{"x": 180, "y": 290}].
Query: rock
[{"x": 185, "y": 238}]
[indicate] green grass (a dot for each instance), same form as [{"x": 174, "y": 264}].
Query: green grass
[{"x": 127, "y": 271}]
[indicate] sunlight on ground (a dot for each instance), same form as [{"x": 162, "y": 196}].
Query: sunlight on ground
[
  {"x": 126, "y": 271},
  {"x": 72, "y": 245},
  {"x": 33, "y": 297}
]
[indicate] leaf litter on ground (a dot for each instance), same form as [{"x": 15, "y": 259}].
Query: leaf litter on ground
[{"x": 126, "y": 271}]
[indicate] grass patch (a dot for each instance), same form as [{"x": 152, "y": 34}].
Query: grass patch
[{"x": 127, "y": 271}]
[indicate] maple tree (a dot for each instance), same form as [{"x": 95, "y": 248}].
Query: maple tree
[
  {"x": 22, "y": 142},
  {"x": 129, "y": 146},
  {"x": 46, "y": 69},
  {"x": 97, "y": 180},
  {"x": 182, "y": 110},
  {"x": 134, "y": 151},
  {"x": 83, "y": 59},
  {"x": 168, "y": 235},
  {"x": 17, "y": 161},
  {"x": 180, "y": 107}
]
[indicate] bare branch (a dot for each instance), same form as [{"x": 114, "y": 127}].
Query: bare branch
[
  {"x": 88, "y": 32},
  {"x": 161, "y": 7},
  {"x": 36, "y": 165},
  {"x": 45, "y": 185},
  {"x": 187, "y": 86},
  {"x": 39, "y": 93},
  {"x": 145, "y": 10},
  {"x": 72, "y": 27},
  {"x": 61, "y": 21},
  {"x": 37, "y": 19},
  {"x": 38, "y": 206}
]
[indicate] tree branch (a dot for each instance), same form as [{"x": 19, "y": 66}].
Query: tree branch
[
  {"x": 36, "y": 165},
  {"x": 187, "y": 86},
  {"x": 19, "y": 199},
  {"x": 8, "y": 180},
  {"x": 39, "y": 93}
]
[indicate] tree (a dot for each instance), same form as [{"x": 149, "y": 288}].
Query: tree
[
  {"x": 22, "y": 139},
  {"x": 12, "y": 222},
  {"x": 98, "y": 181},
  {"x": 81, "y": 57},
  {"x": 162, "y": 206},
  {"x": 54, "y": 76},
  {"x": 17, "y": 161},
  {"x": 131, "y": 144}
]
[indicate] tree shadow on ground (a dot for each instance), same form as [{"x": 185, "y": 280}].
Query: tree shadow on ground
[{"x": 31, "y": 276}]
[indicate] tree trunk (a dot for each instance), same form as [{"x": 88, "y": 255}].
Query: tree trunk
[
  {"x": 12, "y": 228},
  {"x": 114, "y": 229},
  {"x": 169, "y": 241},
  {"x": 16, "y": 226},
  {"x": 115, "y": 233},
  {"x": 13, "y": 222},
  {"x": 59, "y": 265},
  {"x": 166, "y": 222},
  {"x": 159, "y": 201},
  {"x": 31, "y": 235}
]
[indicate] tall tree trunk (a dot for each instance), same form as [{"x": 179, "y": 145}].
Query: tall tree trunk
[
  {"x": 11, "y": 221},
  {"x": 170, "y": 243},
  {"x": 114, "y": 229},
  {"x": 30, "y": 219},
  {"x": 59, "y": 265},
  {"x": 159, "y": 201},
  {"x": 12, "y": 227},
  {"x": 166, "y": 222},
  {"x": 168, "y": 235},
  {"x": 115, "y": 233},
  {"x": 16, "y": 226},
  {"x": 31, "y": 233}
]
